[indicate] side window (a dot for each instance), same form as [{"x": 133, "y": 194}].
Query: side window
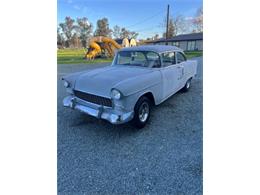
[
  {"x": 180, "y": 57},
  {"x": 153, "y": 60},
  {"x": 139, "y": 56},
  {"x": 168, "y": 59}
]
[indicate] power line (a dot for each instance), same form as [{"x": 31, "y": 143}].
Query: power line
[
  {"x": 145, "y": 29},
  {"x": 146, "y": 19},
  {"x": 158, "y": 26}
]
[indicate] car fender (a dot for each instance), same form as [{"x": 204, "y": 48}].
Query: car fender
[
  {"x": 132, "y": 89},
  {"x": 139, "y": 83},
  {"x": 71, "y": 78}
]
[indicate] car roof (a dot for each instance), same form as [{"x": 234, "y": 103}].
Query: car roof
[{"x": 154, "y": 48}]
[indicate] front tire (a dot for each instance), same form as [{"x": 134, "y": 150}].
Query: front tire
[{"x": 142, "y": 112}]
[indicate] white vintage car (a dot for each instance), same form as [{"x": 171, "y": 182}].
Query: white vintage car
[{"x": 138, "y": 78}]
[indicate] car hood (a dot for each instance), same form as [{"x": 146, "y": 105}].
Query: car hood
[{"x": 100, "y": 81}]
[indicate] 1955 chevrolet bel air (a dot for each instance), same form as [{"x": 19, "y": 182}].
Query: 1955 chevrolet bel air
[{"x": 138, "y": 78}]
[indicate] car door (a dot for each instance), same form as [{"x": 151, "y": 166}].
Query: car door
[
  {"x": 170, "y": 74},
  {"x": 181, "y": 60}
]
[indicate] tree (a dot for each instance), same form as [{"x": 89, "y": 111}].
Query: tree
[
  {"x": 181, "y": 25},
  {"x": 171, "y": 29},
  {"x": 103, "y": 28},
  {"x": 156, "y": 37},
  {"x": 60, "y": 38},
  {"x": 75, "y": 41},
  {"x": 177, "y": 25},
  {"x": 67, "y": 28},
  {"x": 84, "y": 29},
  {"x": 116, "y": 32},
  {"x": 133, "y": 35},
  {"x": 128, "y": 34},
  {"x": 198, "y": 21}
]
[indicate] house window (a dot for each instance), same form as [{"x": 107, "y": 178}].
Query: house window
[
  {"x": 191, "y": 45},
  {"x": 177, "y": 44}
]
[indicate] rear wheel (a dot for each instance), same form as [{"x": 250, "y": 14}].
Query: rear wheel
[
  {"x": 142, "y": 112},
  {"x": 187, "y": 86}
]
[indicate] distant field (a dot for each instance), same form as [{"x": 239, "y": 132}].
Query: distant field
[{"x": 76, "y": 56}]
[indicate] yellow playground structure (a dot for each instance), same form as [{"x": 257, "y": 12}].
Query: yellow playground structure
[{"x": 97, "y": 44}]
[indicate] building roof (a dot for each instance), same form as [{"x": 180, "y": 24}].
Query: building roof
[
  {"x": 185, "y": 37},
  {"x": 154, "y": 48}
]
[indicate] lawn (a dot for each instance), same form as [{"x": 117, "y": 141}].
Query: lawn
[
  {"x": 76, "y": 56},
  {"x": 192, "y": 54}
]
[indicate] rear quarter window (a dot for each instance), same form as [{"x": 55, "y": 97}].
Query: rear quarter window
[
  {"x": 168, "y": 58},
  {"x": 180, "y": 57}
]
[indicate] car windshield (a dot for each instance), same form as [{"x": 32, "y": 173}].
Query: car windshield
[{"x": 138, "y": 58}]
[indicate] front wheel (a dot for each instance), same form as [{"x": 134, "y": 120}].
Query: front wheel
[{"x": 142, "y": 112}]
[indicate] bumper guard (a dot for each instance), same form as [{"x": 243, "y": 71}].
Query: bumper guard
[{"x": 98, "y": 111}]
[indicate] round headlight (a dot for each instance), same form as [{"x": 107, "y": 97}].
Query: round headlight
[
  {"x": 66, "y": 84},
  {"x": 115, "y": 94}
]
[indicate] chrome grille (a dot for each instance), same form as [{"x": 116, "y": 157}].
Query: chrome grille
[{"x": 93, "y": 98}]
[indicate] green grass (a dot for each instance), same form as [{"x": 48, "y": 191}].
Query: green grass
[
  {"x": 77, "y": 56},
  {"x": 192, "y": 54}
]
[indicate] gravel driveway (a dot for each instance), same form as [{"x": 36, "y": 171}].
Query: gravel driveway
[{"x": 165, "y": 157}]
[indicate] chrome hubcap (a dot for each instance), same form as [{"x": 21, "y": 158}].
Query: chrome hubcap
[
  {"x": 188, "y": 84},
  {"x": 144, "y": 112}
]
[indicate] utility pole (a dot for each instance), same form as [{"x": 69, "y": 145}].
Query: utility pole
[{"x": 167, "y": 22}]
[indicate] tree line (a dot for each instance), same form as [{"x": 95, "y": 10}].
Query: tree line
[{"x": 77, "y": 33}]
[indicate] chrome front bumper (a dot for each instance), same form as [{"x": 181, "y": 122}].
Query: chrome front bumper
[{"x": 98, "y": 111}]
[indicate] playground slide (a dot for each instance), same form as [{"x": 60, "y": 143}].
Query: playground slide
[{"x": 109, "y": 45}]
